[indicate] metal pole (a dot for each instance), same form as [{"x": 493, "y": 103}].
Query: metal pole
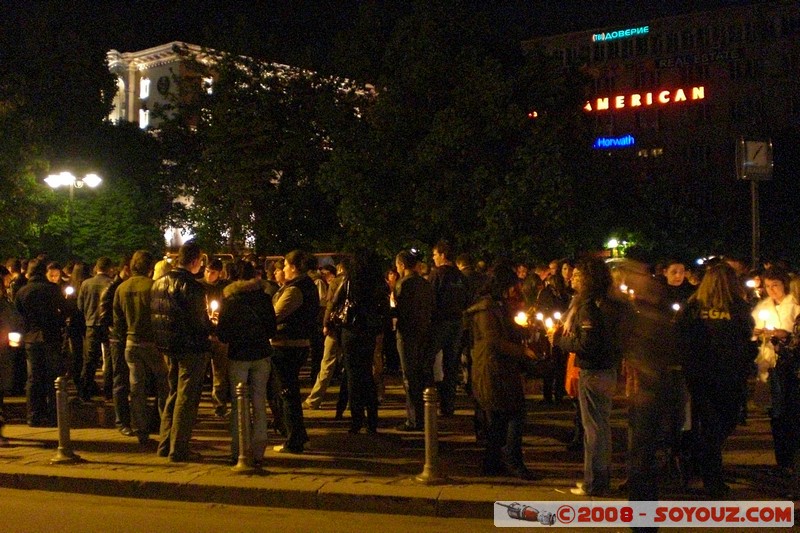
[
  {"x": 756, "y": 222},
  {"x": 245, "y": 462},
  {"x": 430, "y": 472},
  {"x": 64, "y": 453}
]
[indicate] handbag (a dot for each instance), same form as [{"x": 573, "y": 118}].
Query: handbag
[
  {"x": 344, "y": 315},
  {"x": 571, "y": 378}
]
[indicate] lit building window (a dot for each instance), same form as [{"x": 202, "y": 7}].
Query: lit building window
[
  {"x": 144, "y": 118},
  {"x": 208, "y": 85},
  {"x": 144, "y": 88}
]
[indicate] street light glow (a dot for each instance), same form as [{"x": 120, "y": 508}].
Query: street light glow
[{"x": 67, "y": 179}]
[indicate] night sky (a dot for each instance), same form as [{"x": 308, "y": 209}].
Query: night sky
[{"x": 281, "y": 27}]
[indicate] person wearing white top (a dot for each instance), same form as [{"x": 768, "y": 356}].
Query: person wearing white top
[{"x": 774, "y": 316}]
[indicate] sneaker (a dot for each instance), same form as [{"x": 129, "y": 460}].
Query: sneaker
[
  {"x": 125, "y": 430},
  {"x": 282, "y": 448},
  {"x": 579, "y": 490},
  {"x": 307, "y": 406}
]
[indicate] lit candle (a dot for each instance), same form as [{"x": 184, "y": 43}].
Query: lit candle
[
  {"x": 214, "y": 306},
  {"x": 763, "y": 316},
  {"x": 623, "y": 288},
  {"x": 521, "y": 319},
  {"x": 548, "y": 323},
  {"x": 751, "y": 283},
  {"x": 69, "y": 290},
  {"x": 540, "y": 317},
  {"x": 676, "y": 307},
  {"x": 557, "y": 315},
  {"x": 14, "y": 339}
]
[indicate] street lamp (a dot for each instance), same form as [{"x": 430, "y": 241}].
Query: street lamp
[{"x": 67, "y": 179}]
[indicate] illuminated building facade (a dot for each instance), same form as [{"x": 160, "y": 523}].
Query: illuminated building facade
[
  {"x": 146, "y": 79},
  {"x": 687, "y": 87}
]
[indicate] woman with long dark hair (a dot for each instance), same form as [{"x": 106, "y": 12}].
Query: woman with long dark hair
[
  {"x": 591, "y": 330},
  {"x": 366, "y": 294}
]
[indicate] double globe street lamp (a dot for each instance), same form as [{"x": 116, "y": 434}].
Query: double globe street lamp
[{"x": 67, "y": 179}]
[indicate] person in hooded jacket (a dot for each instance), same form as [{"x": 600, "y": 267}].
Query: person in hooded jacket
[
  {"x": 246, "y": 323},
  {"x": 499, "y": 358}
]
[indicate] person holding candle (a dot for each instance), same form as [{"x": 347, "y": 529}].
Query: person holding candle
[
  {"x": 41, "y": 305},
  {"x": 774, "y": 319},
  {"x": 9, "y": 331},
  {"x": 593, "y": 330},
  {"x": 499, "y": 358},
  {"x": 214, "y": 286}
]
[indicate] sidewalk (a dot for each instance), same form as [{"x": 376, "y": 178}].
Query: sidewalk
[{"x": 339, "y": 471}]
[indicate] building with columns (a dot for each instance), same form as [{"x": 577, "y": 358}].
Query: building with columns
[{"x": 146, "y": 79}]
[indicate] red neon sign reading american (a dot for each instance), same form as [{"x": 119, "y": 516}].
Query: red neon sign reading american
[{"x": 647, "y": 99}]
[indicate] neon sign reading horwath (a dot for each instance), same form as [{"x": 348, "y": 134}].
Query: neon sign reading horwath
[
  {"x": 620, "y": 34},
  {"x": 614, "y": 142},
  {"x": 648, "y": 99}
]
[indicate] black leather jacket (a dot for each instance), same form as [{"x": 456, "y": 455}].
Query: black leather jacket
[{"x": 179, "y": 316}]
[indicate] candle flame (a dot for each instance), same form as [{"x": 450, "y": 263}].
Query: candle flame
[
  {"x": 14, "y": 339},
  {"x": 521, "y": 319}
]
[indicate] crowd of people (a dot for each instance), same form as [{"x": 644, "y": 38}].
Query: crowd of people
[{"x": 684, "y": 342}]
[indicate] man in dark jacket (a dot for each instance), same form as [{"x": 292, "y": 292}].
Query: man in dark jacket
[
  {"x": 452, "y": 296},
  {"x": 181, "y": 328},
  {"x": 415, "y": 300},
  {"x": 96, "y": 334},
  {"x": 41, "y": 305},
  {"x": 116, "y": 348}
]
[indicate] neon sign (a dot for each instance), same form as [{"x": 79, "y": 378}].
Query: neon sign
[
  {"x": 620, "y": 34},
  {"x": 648, "y": 99},
  {"x": 614, "y": 142}
]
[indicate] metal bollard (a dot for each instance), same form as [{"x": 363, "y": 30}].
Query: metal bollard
[
  {"x": 430, "y": 472},
  {"x": 64, "y": 453},
  {"x": 245, "y": 462}
]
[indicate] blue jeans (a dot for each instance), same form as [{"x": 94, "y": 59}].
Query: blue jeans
[
  {"x": 122, "y": 384},
  {"x": 595, "y": 394},
  {"x": 143, "y": 360},
  {"x": 255, "y": 375}
]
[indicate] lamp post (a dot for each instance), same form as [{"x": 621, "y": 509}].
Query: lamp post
[{"x": 67, "y": 179}]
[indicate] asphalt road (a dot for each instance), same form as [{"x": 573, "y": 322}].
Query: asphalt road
[{"x": 40, "y": 512}]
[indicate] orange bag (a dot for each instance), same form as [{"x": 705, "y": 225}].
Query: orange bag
[{"x": 571, "y": 379}]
